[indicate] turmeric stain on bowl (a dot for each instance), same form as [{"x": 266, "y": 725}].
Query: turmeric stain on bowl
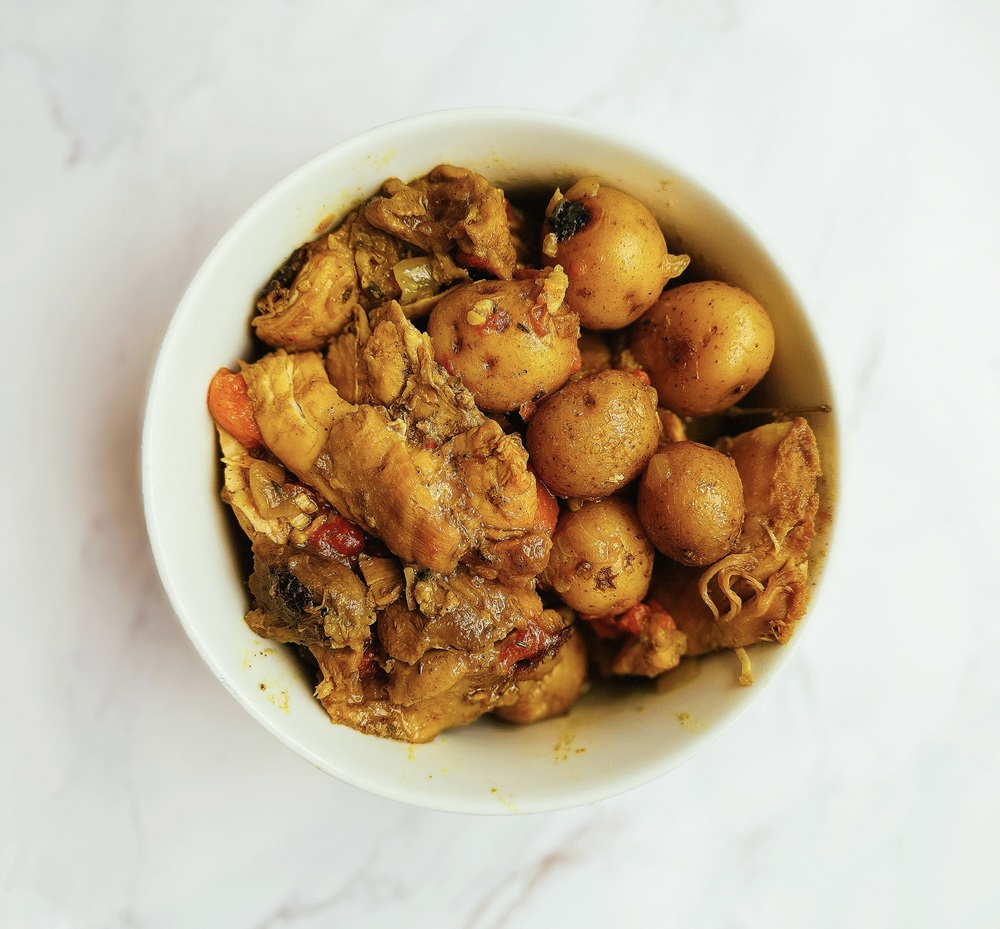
[
  {"x": 504, "y": 801},
  {"x": 252, "y": 654},
  {"x": 324, "y": 224},
  {"x": 691, "y": 723},
  {"x": 564, "y": 747},
  {"x": 275, "y": 693}
]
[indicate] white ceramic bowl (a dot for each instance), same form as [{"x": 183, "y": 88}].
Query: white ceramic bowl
[{"x": 612, "y": 740}]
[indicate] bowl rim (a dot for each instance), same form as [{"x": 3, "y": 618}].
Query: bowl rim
[{"x": 375, "y": 138}]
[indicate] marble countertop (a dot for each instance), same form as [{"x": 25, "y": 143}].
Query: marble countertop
[{"x": 860, "y": 140}]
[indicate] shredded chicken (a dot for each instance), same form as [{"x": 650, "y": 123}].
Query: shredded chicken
[
  {"x": 302, "y": 597},
  {"x": 657, "y": 647},
  {"x": 311, "y": 297},
  {"x": 449, "y": 210}
]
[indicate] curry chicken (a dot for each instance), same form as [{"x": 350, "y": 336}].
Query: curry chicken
[{"x": 460, "y": 503}]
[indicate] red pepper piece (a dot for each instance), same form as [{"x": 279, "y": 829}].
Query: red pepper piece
[
  {"x": 336, "y": 535},
  {"x": 632, "y": 622}
]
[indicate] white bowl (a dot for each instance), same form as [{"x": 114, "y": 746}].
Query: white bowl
[{"x": 614, "y": 739}]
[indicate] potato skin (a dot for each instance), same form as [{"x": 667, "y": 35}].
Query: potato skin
[
  {"x": 691, "y": 502},
  {"x": 556, "y": 691},
  {"x": 601, "y": 562},
  {"x": 595, "y": 435},
  {"x": 704, "y": 346},
  {"x": 520, "y": 352},
  {"x": 613, "y": 251}
]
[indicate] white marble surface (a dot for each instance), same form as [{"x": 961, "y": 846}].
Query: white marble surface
[{"x": 861, "y": 141}]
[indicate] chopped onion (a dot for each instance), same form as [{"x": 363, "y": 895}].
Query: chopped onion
[
  {"x": 585, "y": 187},
  {"x": 268, "y": 495},
  {"x": 384, "y": 577},
  {"x": 415, "y": 277}
]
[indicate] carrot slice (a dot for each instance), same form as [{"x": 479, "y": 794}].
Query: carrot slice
[{"x": 229, "y": 404}]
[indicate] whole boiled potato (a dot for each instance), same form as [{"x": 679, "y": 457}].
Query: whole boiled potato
[
  {"x": 704, "y": 346},
  {"x": 510, "y": 341},
  {"x": 555, "y": 690},
  {"x": 612, "y": 250},
  {"x": 601, "y": 562},
  {"x": 691, "y": 502},
  {"x": 595, "y": 435}
]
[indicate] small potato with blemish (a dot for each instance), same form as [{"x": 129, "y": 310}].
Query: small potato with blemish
[
  {"x": 691, "y": 502},
  {"x": 601, "y": 562},
  {"x": 613, "y": 251},
  {"x": 595, "y": 435},
  {"x": 704, "y": 346},
  {"x": 510, "y": 341}
]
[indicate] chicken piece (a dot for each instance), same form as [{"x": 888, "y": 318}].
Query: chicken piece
[
  {"x": 644, "y": 641},
  {"x": 375, "y": 254},
  {"x": 355, "y": 456},
  {"x": 237, "y": 463},
  {"x": 760, "y": 590},
  {"x": 268, "y": 503},
  {"x": 443, "y": 688},
  {"x": 442, "y": 691},
  {"x": 449, "y": 208},
  {"x": 419, "y": 466},
  {"x": 311, "y": 297},
  {"x": 394, "y": 367},
  {"x": 386, "y": 361},
  {"x": 458, "y": 611},
  {"x": 657, "y": 647},
  {"x": 304, "y": 598}
]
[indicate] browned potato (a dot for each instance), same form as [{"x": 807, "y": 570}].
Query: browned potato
[
  {"x": 704, "y": 346},
  {"x": 556, "y": 690},
  {"x": 601, "y": 561},
  {"x": 595, "y": 435},
  {"x": 691, "y": 502},
  {"x": 511, "y": 341},
  {"x": 612, "y": 250}
]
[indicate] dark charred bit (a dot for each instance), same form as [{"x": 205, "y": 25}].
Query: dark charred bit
[
  {"x": 568, "y": 219},
  {"x": 291, "y": 591},
  {"x": 283, "y": 278}
]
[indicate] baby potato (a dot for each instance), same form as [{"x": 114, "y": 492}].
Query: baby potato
[
  {"x": 691, "y": 502},
  {"x": 595, "y": 435},
  {"x": 556, "y": 690},
  {"x": 704, "y": 346},
  {"x": 601, "y": 562},
  {"x": 511, "y": 341},
  {"x": 612, "y": 250}
]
